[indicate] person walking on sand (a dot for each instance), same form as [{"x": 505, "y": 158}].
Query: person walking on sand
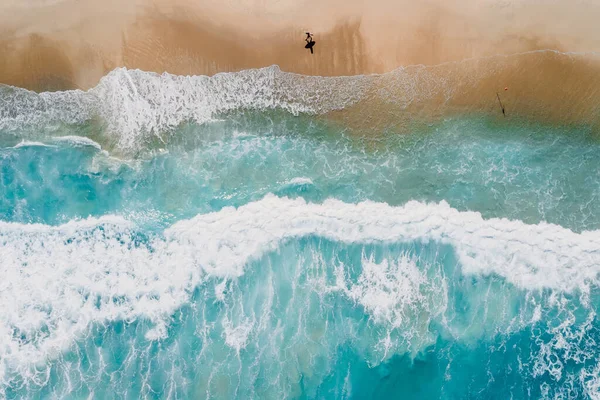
[{"x": 309, "y": 42}]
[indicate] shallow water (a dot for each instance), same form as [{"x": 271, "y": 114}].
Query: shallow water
[{"x": 272, "y": 253}]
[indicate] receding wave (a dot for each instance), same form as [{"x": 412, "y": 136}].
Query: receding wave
[{"x": 133, "y": 106}]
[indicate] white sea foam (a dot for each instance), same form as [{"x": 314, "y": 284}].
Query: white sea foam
[
  {"x": 236, "y": 336},
  {"x": 135, "y": 105},
  {"x": 400, "y": 298},
  {"x": 58, "y": 280},
  {"x": 529, "y": 256},
  {"x": 386, "y": 290},
  {"x": 77, "y": 141},
  {"x": 300, "y": 181},
  {"x": 27, "y": 143}
]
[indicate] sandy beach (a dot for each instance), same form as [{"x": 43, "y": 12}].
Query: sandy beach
[{"x": 54, "y": 45}]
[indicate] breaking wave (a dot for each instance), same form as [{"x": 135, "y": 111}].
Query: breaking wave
[{"x": 100, "y": 270}]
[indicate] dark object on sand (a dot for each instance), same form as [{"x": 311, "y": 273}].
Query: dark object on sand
[
  {"x": 309, "y": 42},
  {"x": 501, "y": 105}
]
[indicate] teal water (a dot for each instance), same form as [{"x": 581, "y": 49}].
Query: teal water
[{"x": 271, "y": 254}]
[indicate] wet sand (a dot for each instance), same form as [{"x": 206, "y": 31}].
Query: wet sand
[
  {"x": 51, "y": 45},
  {"x": 541, "y": 86}
]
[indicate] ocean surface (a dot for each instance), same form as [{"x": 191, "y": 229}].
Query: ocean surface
[{"x": 167, "y": 237}]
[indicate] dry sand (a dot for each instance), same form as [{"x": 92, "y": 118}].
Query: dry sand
[{"x": 63, "y": 44}]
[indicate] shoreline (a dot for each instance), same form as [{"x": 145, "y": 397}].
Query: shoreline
[{"x": 548, "y": 87}]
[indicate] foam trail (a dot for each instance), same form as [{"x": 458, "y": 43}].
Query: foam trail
[
  {"x": 26, "y": 143},
  {"x": 78, "y": 141},
  {"x": 61, "y": 279}
]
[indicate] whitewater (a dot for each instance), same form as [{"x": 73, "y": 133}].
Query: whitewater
[{"x": 167, "y": 236}]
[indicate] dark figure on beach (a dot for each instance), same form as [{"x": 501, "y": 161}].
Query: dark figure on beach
[{"x": 309, "y": 42}]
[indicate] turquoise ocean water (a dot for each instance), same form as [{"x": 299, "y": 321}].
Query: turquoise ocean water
[{"x": 192, "y": 237}]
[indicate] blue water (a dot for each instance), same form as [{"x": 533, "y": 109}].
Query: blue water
[{"x": 218, "y": 263}]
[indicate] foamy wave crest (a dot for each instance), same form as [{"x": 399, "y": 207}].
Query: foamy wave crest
[
  {"x": 78, "y": 141},
  {"x": 529, "y": 256},
  {"x": 135, "y": 105},
  {"x": 26, "y": 143},
  {"x": 59, "y": 280}
]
